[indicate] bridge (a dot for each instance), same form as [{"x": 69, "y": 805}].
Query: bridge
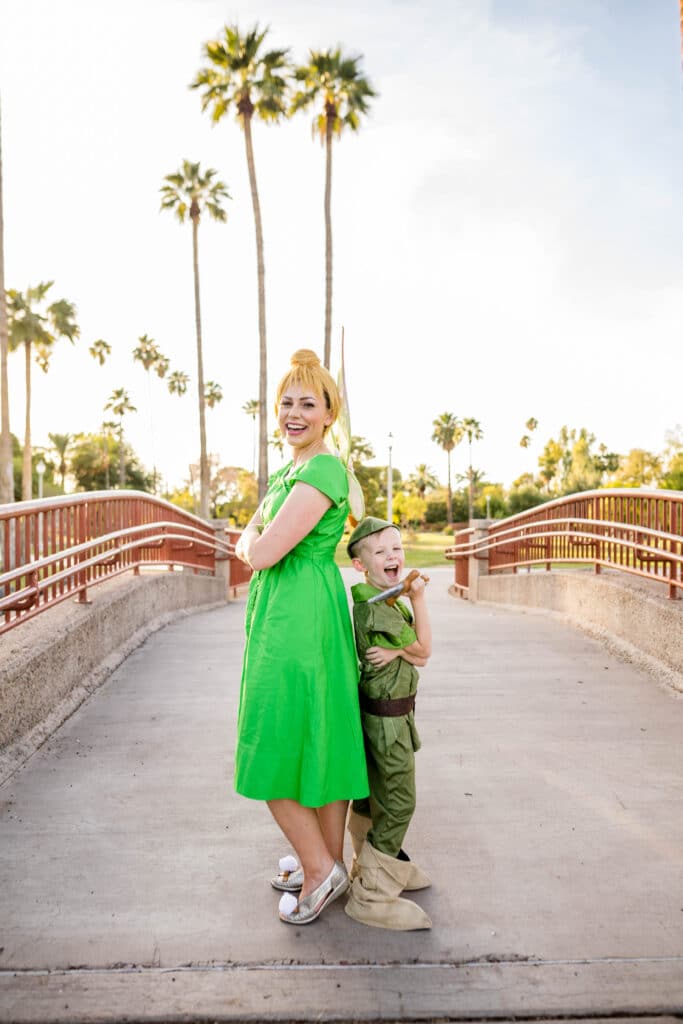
[{"x": 135, "y": 883}]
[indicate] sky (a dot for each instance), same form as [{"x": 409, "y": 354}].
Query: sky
[{"x": 507, "y": 224}]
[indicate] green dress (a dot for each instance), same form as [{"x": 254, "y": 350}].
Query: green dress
[{"x": 298, "y": 730}]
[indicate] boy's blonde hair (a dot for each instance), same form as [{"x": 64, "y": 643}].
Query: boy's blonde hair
[{"x": 308, "y": 372}]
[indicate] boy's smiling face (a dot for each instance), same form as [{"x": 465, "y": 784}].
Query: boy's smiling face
[{"x": 381, "y": 558}]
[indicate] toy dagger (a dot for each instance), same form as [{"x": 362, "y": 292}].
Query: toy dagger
[{"x": 392, "y": 594}]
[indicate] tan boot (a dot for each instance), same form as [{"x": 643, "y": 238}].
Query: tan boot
[
  {"x": 374, "y": 898},
  {"x": 358, "y": 827},
  {"x": 416, "y": 878}
]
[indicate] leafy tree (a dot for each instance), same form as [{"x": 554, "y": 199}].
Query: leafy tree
[
  {"x": 337, "y": 81},
  {"x": 119, "y": 403},
  {"x": 100, "y": 350},
  {"x": 6, "y": 462},
  {"x": 410, "y": 508},
  {"x": 361, "y": 451},
  {"x": 421, "y": 480},
  {"x": 89, "y": 463},
  {"x": 673, "y": 477},
  {"x": 448, "y": 432},
  {"x": 548, "y": 462},
  {"x": 236, "y": 494},
  {"x": 523, "y": 496},
  {"x": 241, "y": 74},
  {"x": 639, "y": 468},
  {"x": 491, "y": 503},
  {"x": 34, "y": 323},
  {"x": 188, "y": 193},
  {"x": 60, "y": 443},
  {"x": 251, "y": 407}
]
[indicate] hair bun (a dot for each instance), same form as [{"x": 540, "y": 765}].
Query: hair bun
[{"x": 305, "y": 357}]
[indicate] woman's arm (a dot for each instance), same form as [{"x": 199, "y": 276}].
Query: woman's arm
[
  {"x": 256, "y": 524},
  {"x": 302, "y": 509}
]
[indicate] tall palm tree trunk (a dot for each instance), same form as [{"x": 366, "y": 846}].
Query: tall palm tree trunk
[
  {"x": 204, "y": 481},
  {"x": 449, "y": 510},
  {"x": 27, "y": 468},
  {"x": 263, "y": 354},
  {"x": 328, "y": 241},
  {"x": 6, "y": 472}
]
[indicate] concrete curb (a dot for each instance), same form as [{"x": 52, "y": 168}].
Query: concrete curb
[{"x": 345, "y": 992}]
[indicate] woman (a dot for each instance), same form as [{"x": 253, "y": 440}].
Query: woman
[{"x": 300, "y": 745}]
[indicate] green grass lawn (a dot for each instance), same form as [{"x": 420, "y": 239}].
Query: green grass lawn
[{"x": 422, "y": 550}]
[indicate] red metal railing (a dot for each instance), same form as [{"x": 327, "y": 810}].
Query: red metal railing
[
  {"x": 56, "y": 548},
  {"x": 631, "y": 530}
]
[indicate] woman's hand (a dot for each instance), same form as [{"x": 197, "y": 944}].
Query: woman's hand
[{"x": 380, "y": 656}]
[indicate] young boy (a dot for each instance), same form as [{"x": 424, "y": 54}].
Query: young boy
[{"x": 391, "y": 643}]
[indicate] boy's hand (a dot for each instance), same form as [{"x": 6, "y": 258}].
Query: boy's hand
[
  {"x": 379, "y": 656},
  {"x": 416, "y": 589}
]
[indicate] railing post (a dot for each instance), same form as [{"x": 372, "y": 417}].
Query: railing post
[{"x": 478, "y": 563}]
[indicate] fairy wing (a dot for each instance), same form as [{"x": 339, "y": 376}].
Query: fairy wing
[{"x": 342, "y": 440}]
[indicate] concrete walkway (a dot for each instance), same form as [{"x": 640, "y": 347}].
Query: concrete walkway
[{"x": 134, "y": 883}]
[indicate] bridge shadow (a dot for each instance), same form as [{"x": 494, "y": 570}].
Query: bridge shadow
[{"x": 549, "y": 818}]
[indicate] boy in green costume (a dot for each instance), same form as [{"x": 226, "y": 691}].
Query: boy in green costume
[{"x": 391, "y": 644}]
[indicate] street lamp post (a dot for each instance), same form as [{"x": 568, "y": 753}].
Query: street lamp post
[
  {"x": 40, "y": 470},
  {"x": 390, "y": 485}
]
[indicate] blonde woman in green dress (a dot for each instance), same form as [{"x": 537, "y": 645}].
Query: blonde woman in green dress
[{"x": 299, "y": 738}]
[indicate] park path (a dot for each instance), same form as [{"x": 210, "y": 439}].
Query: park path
[{"x": 134, "y": 883}]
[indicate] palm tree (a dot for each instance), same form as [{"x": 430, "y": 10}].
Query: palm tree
[
  {"x": 277, "y": 442},
  {"x": 100, "y": 350},
  {"x": 6, "y": 468},
  {"x": 31, "y": 323},
  {"x": 177, "y": 382},
  {"x": 60, "y": 443},
  {"x": 361, "y": 451},
  {"x": 251, "y": 408},
  {"x": 120, "y": 404},
  {"x": 344, "y": 92},
  {"x": 151, "y": 357},
  {"x": 447, "y": 434},
  {"x": 531, "y": 424},
  {"x": 188, "y": 192},
  {"x": 108, "y": 427},
  {"x": 471, "y": 429},
  {"x": 242, "y": 75},
  {"x": 213, "y": 393},
  {"x": 422, "y": 480}
]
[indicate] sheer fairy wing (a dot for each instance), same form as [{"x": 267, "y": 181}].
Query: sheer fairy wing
[
  {"x": 343, "y": 424},
  {"x": 342, "y": 440}
]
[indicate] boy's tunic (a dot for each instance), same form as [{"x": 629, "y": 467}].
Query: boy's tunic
[{"x": 390, "y": 741}]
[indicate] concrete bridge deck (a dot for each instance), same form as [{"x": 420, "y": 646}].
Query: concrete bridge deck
[{"x": 134, "y": 883}]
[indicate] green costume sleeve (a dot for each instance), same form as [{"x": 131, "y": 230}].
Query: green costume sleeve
[
  {"x": 382, "y": 626},
  {"x": 327, "y": 474}
]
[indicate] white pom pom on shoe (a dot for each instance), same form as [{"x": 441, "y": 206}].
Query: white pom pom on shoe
[
  {"x": 288, "y": 863},
  {"x": 288, "y": 903}
]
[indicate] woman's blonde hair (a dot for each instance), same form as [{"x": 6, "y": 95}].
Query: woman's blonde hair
[{"x": 307, "y": 371}]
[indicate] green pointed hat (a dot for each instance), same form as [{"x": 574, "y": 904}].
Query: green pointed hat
[{"x": 366, "y": 528}]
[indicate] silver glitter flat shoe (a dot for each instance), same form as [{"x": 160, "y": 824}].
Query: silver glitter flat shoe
[
  {"x": 288, "y": 881},
  {"x": 310, "y": 907}
]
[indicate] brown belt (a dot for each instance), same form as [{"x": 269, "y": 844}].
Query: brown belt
[{"x": 387, "y": 708}]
